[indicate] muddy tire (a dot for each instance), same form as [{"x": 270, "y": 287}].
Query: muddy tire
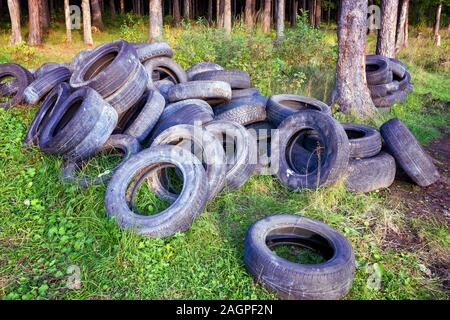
[{"x": 329, "y": 280}]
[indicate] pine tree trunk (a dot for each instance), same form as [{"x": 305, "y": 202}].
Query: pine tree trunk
[
  {"x": 112, "y": 9},
  {"x": 294, "y": 11},
  {"x": 122, "y": 6},
  {"x": 227, "y": 16},
  {"x": 266, "y": 16},
  {"x": 34, "y": 34},
  {"x": 401, "y": 26},
  {"x": 16, "y": 30},
  {"x": 386, "y": 35},
  {"x": 176, "y": 12},
  {"x": 156, "y": 20},
  {"x": 437, "y": 22},
  {"x": 220, "y": 17},
  {"x": 350, "y": 90},
  {"x": 317, "y": 14},
  {"x": 312, "y": 10},
  {"x": 68, "y": 21},
  {"x": 280, "y": 20},
  {"x": 97, "y": 20},
  {"x": 210, "y": 12},
  {"x": 45, "y": 16},
  {"x": 249, "y": 13},
  {"x": 87, "y": 29},
  {"x": 187, "y": 9}
]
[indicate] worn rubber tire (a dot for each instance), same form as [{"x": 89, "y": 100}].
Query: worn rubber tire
[
  {"x": 241, "y": 164},
  {"x": 329, "y": 280},
  {"x": 167, "y": 66},
  {"x": 236, "y": 78},
  {"x": 383, "y": 90},
  {"x": 129, "y": 94},
  {"x": 387, "y": 101},
  {"x": 212, "y": 155},
  {"x": 47, "y": 67},
  {"x": 106, "y": 68},
  {"x": 213, "y": 92},
  {"x": 398, "y": 68},
  {"x": 200, "y": 68},
  {"x": 404, "y": 82},
  {"x": 43, "y": 85},
  {"x": 127, "y": 144},
  {"x": 54, "y": 100},
  {"x": 281, "y": 106},
  {"x": 79, "y": 59},
  {"x": 70, "y": 124},
  {"x": 334, "y": 160},
  {"x": 22, "y": 79},
  {"x": 244, "y": 111},
  {"x": 365, "y": 141},
  {"x": 146, "y": 51},
  {"x": 244, "y": 93},
  {"x": 377, "y": 70},
  {"x": 408, "y": 153},
  {"x": 261, "y": 130},
  {"x": 370, "y": 174},
  {"x": 181, "y": 214},
  {"x": 140, "y": 120},
  {"x": 163, "y": 87}
]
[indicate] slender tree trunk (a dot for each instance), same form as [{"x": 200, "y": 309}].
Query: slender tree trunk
[
  {"x": 406, "y": 39},
  {"x": 294, "y": 11},
  {"x": 87, "y": 29},
  {"x": 249, "y": 13},
  {"x": 45, "y": 16},
  {"x": 156, "y": 20},
  {"x": 122, "y": 6},
  {"x": 35, "y": 34},
  {"x": 266, "y": 16},
  {"x": 16, "y": 30},
  {"x": 280, "y": 20},
  {"x": 68, "y": 21},
  {"x": 112, "y": 9},
  {"x": 210, "y": 12},
  {"x": 350, "y": 90},
  {"x": 187, "y": 9},
  {"x": 227, "y": 16},
  {"x": 317, "y": 14},
  {"x": 437, "y": 22},
  {"x": 176, "y": 12},
  {"x": 386, "y": 35},
  {"x": 401, "y": 25},
  {"x": 97, "y": 20},
  {"x": 220, "y": 18},
  {"x": 312, "y": 10}
]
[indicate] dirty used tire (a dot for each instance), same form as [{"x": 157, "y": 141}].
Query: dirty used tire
[
  {"x": 53, "y": 101},
  {"x": 201, "y": 67},
  {"x": 377, "y": 70},
  {"x": 408, "y": 153},
  {"x": 236, "y": 78},
  {"x": 43, "y": 85},
  {"x": 126, "y": 144},
  {"x": 390, "y": 99},
  {"x": 47, "y": 67},
  {"x": 333, "y": 160},
  {"x": 22, "y": 79},
  {"x": 168, "y": 68},
  {"x": 210, "y": 150},
  {"x": 181, "y": 214},
  {"x": 146, "y": 51},
  {"x": 281, "y": 106},
  {"x": 241, "y": 154},
  {"x": 370, "y": 174},
  {"x": 163, "y": 87},
  {"x": 244, "y": 111},
  {"x": 365, "y": 141},
  {"x": 213, "y": 92},
  {"x": 140, "y": 119},
  {"x": 106, "y": 68},
  {"x": 71, "y": 123},
  {"x": 329, "y": 280},
  {"x": 244, "y": 93},
  {"x": 398, "y": 68},
  {"x": 382, "y": 90}
]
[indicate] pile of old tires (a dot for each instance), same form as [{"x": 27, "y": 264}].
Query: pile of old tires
[
  {"x": 388, "y": 79},
  {"x": 207, "y": 127}
]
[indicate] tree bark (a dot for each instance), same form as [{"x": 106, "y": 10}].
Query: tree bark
[
  {"x": 112, "y": 9},
  {"x": 68, "y": 21},
  {"x": 34, "y": 34},
  {"x": 45, "y": 16},
  {"x": 97, "y": 20},
  {"x": 312, "y": 10},
  {"x": 386, "y": 35},
  {"x": 227, "y": 16},
  {"x": 401, "y": 26},
  {"x": 187, "y": 9},
  {"x": 210, "y": 12},
  {"x": 87, "y": 29},
  {"x": 350, "y": 90},
  {"x": 437, "y": 22},
  {"x": 317, "y": 14},
  {"x": 220, "y": 14},
  {"x": 266, "y": 16},
  {"x": 294, "y": 11},
  {"x": 122, "y": 6},
  {"x": 156, "y": 20},
  {"x": 16, "y": 30},
  {"x": 280, "y": 20},
  {"x": 249, "y": 13},
  {"x": 176, "y": 12}
]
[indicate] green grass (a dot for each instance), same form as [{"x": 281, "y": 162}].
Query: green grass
[{"x": 47, "y": 226}]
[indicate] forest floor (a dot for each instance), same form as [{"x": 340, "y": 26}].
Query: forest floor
[{"x": 52, "y": 232}]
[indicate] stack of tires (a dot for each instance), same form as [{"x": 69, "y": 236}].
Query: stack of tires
[{"x": 388, "y": 81}]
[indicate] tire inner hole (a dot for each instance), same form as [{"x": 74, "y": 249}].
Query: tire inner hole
[
  {"x": 100, "y": 64},
  {"x": 305, "y": 152},
  {"x": 68, "y": 115}
]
